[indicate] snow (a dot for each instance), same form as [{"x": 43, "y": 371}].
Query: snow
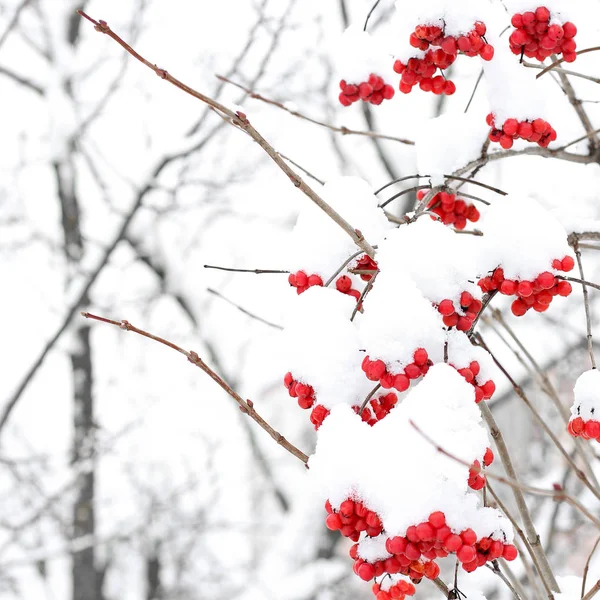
[
  {"x": 435, "y": 257},
  {"x": 586, "y": 402},
  {"x": 512, "y": 89},
  {"x": 398, "y": 320},
  {"x": 449, "y": 142},
  {"x": 321, "y": 347},
  {"x": 318, "y": 245},
  {"x": 357, "y": 55},
  {"x": 354, "y": 460},
  {"x": 461, "y": 352},
  {"x": 522, "y": 237}
]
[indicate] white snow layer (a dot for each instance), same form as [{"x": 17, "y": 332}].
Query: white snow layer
[
  {"x": 355, "y": 460},
  {"x": 587, "y": 396}
]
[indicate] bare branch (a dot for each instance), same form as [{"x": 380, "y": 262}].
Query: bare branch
[
  {"x": 243, "y": 310},
  {"x": 246, "y": 406}
]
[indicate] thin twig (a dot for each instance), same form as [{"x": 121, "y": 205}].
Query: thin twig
[
  {"x": 342, "y": 267},
  {"x": 363, "y": 295},
  {"x": 496, "y": 570},
  {"x": 565, "y": 71},
  {"x": 370, "y": 13},
  {"x": 593, "y": 591},
  {"x": 403, "y": 193},
  {"x": 587, "y": 567},
  {"x": 243, "y": 310},
  {"x": 305, "y": 171},
  {"x": 343, "y": 130},
  {"x": 474, "y": 90},
  {"x": 239, "y": 120},
  {"x": 255, "y": 271},
  {"x": 586, "y": 304},
  {"x": 246, "y": 406},
  {"x": 560, "y": 61},
  {"x": 366, "y": 400}
]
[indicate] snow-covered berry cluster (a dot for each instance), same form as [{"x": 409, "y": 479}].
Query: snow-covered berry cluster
[
  {"x": 451, "y": 210},
  {"x": 539, "y": 34},
  {"x": 537, "y": 293},
  {"x": 377, "y": 370},
  {"x": 461, "y": 316},
  {"x": 585, "y": 412},
  {"x": 352, "y": 518},
  {"x": 393, "y": 587},
  {"x": 537, "y": 131},
  {"x": 439, "y": 48},
  {"x": 374, "y": 91}
]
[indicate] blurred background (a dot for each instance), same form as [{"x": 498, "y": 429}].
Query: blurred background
[{"x": 125, "y": 473}]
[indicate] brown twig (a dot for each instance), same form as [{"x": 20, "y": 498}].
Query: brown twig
[
  {"x": 565, "y": 71},
  {"x": 587, "y": 567},
  {"x": 343, "y": 130},
  {"x": 342, "y": 267},
  {"x": 366, "y": 400},
  {"x": 560, "y": 61},
  {"x": 416, "y": 188},
  {"x": 246, "y": 406},
  {"x": 586, "y": 304},
  {"x": 593, "y": 591},
  {"x": 367, "y": 289},
  {"x": 239, "y": 120}
]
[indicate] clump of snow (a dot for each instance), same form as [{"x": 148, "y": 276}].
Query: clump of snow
[
  {"x": 570, "y": 587},
  {"x": 372, "y": 549},
  {"x": 357, "y": 55},
  {"x": 354, "y": 460},
  {"x": 435, "y": 256},
  {"x": 318, "y": 245},
  {"x": 522, "y": 237},
  {"x": 398, "y": 320},
  {"x": 321, "y": 347},
  {"x": 449, "y": 142},
  {"x": 513, "y": 91},
  {"x": 586, "y": 402},
  {"x": 461, "y": 352}
]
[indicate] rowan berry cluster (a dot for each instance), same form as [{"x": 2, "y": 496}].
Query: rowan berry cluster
[
  {"x": 380, "y": 407},
  {"x": 452, "y": 211},
  {"x": 476, "y": 479},
  {"x": 376, "y": 370},
  {"x": 374, "y": 91},
  {"x": 588, "y": 430},
  {"x": 352, "y": 519},
  {"x": 415, "y": 554},
  {"x": 471, "y": 374},
  {"x": 463, "y": 316},
  {"x": 441, "y": 50},
  {"x": 537, "y": 131},
  {"x": 537, "y": 293},
  {"x": 394, "y": 590},
  {"x": 538, "y": 34},
  {"x": 301, "y": 281}
]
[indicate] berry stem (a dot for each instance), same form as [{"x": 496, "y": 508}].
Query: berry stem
[
  {"x": 367, "y": 289},
  {"x": 243, "y": 310},
  {"x": 587, "y": 567},
  {"x": 255, "y": 271},
  {"x": 586, "y": 303},
  {"x": 246, "y": 406},
  {"x": 366, "y": 400},
  {"x": 560, "y": 61}
]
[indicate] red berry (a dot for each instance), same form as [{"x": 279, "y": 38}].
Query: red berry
[
  {"x": 488, "y": 457},
  {"x": 437, "y": 519},
  {"x": 567, "y": 263},
  {"x": 510, "y": 127},
  {"x": 564, "y": 288},
  {"x": 466, "y": 554},
  {"x": 366, "y": 572},
  {"x": 509, "y": 552},
  {"x": 542, "y": 14},
  {"x": 569, "y": 30},
  {"x": 452, "y": 543},
  {"x": 446, "y": 308},
  {"x": 468, "y": 536},
  {"x": 333, "y": 522},
  {"x": 592, "y": 429}
]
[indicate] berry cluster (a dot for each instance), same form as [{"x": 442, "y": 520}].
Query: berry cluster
[
  {"x": 535, "y": 37},
  {"x": 380, "y": 406},
  {"x": 433, "y": 539},
  {"x": 365, "y": 263},
  {"x": 460, "y": 317},
  {"x": 394, "y": 590},
  {"x": 537, "y": 131},
  {"x": 482, "y": 392},
  {"x": 588, "y": 430},
  {"x": 476, "y": 477},
  {"x": 450, "y": 210},
  {"x": 441, "y": 51},
  {"x": 376, "y": 370},
  {"x": 302, "y": 391},
  {"x": 374, "y": 91},
  {"x": 536, "y": 294},
  {"x": 352, "y": 519},
  {"x": 301, "y": 281}
]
